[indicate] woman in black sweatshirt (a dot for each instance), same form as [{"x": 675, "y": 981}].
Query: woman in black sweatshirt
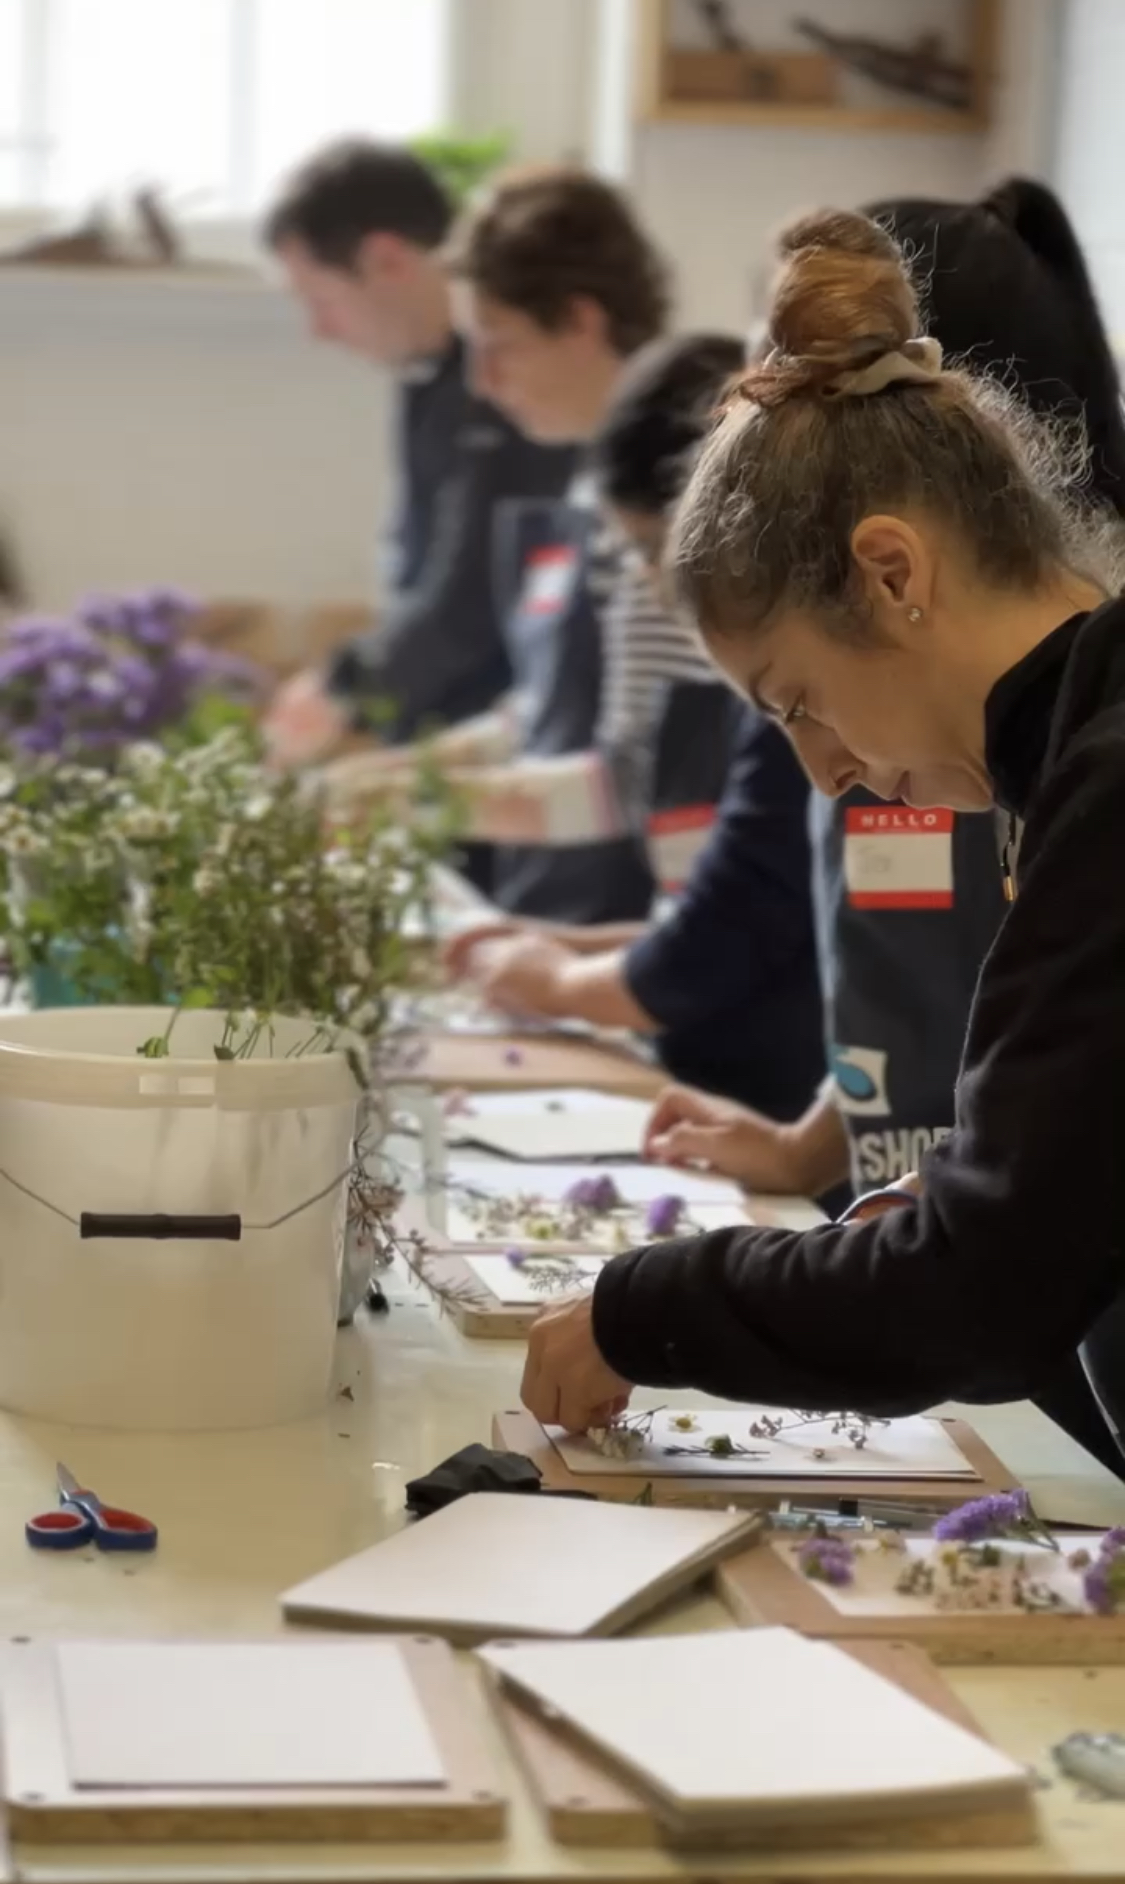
[{"x": 884, "y": 554}]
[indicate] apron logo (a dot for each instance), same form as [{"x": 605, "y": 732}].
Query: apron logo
[
  {"x": 898, "y": 858},
  {"x": 860, "y": 1074},
  {"x": 548, "y": 579}
]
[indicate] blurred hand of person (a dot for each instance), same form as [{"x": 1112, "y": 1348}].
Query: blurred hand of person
[
  {"x": 891, "y": 1197},
  {"x": 303, "y": 723},
  {"x": 689, "y": 1127},
  {"x": 519, "y": 974},
  {"x": 457, "y": 955},
  {"x": 565, "y": 1380}
]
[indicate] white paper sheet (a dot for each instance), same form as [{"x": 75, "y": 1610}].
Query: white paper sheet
[
  {"x": 757, "y": 1718},
  {"x": 492, "y": 1565},
  {"x": 910, "y": 1448},
  {"x": 515, "y": 1287},
  {"x": 569, "y": 1123},
  {"x": 178, "y": 1716},
  {"x": 637, "y": 1183}
]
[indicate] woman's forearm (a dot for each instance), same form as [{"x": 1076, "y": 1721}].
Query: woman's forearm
[
  {"x": 593, "y": 988},
  {"x": 817, "y": 1146}
]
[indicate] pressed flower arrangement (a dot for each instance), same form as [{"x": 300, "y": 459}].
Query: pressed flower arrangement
[
  {"x": 970, "y": 1565},
  {"x": 200, "y": 878}
]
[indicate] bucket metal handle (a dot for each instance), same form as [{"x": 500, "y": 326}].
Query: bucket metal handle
[{"x": 93, "y": 1224}]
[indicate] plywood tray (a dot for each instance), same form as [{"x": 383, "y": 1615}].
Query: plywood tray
[
  {"x": 44, "y": 1808},
  {"x": 584, "y": 1803},
  {"x": 762, "y": 1587},
  {"x": 518, "y": 1431}
]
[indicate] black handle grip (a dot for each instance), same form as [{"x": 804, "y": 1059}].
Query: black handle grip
[{"x": 94, "y": 1223}]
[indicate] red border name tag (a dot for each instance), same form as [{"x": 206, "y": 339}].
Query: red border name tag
[
  {"x": 898, "y": 858},
  {"x": 548, "y": 579},
  {"x": 675, "y": 839}
]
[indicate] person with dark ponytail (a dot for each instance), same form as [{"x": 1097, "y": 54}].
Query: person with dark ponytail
[
  {"x": 909, "y": 902},
  {"x": 892, "y": 556}
]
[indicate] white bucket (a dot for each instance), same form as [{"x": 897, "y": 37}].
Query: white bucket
[{"x": 192, "y": 1332}]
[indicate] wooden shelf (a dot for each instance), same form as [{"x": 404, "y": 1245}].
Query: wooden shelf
[
  {"x": 815, "y": 117},
  {"x": 658, "y": 103}
]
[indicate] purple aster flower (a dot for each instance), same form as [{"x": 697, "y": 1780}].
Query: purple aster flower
[
  {"x": 594, "y": 1193},
  {"x": 827, "y": 1560},
  {"x": 1103, "y": 1584},
  {"x": 104, "y": 614},
  {"x": 997, "y": 1515},
  {"x": 517, "y": 1257},
  {"x": 663, "y": 1215}
]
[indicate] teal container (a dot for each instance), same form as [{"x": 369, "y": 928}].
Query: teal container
[{"x": 52, "y": 987}]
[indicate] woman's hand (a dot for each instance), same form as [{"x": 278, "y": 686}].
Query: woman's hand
[
  {"x": 689, "y": 1127},
  {"x": 457, "y": 955},
  {"x": 565, "y": 1381},
  {"x": 891, "y": 1197},
  {"x": 520, "y": 974},
  {"x": 303, "y": 723}
]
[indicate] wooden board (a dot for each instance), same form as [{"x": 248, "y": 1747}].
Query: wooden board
[
  {"x": 585, "y": 1804},
  {"x": 518, "y": 1431},
  {"x": 765, "y": 1740},
  {"x": 485, "y": 1062},
  {"x": 494, "y": 1565},
  {"x": 45, "y": 1807},
  {"x": 763, "y": 1587}
]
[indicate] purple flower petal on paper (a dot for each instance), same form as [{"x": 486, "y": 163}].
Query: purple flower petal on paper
[
  {"x": 593, "y": 1193},
  {"x": 827, "y": 1560},
  {"x": 663, "y": 1215},
  {"x": 998, "y": 1515},
  {"x": 513, "y": 1056},
  {"x": 517, "y": 1257}
]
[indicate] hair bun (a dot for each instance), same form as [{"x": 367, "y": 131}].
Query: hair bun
[{"x": 842, "y": 297}]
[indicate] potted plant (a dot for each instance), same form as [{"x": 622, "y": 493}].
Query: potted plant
[{"x": 239, "y": 964}]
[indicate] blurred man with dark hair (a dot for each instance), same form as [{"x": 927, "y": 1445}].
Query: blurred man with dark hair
[{"x": 358, "y": 232}]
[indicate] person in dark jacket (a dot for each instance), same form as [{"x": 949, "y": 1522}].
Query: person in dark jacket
[
  {"x": 358, "y": 232},
  {"x": 908, "y": 902},
  {"x": 926, "y": 613},
  {"x": 726, "y": 981}
]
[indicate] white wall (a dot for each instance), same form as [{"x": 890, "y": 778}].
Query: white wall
[
  {"x": 194, "y": 436},
  {"x": 151, "y": 433}
]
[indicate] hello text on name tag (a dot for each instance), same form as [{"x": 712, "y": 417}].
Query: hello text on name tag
[{"x": 898, "y": 858}]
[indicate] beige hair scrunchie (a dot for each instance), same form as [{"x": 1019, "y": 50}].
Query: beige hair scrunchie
[{"x": 917, "y": 361}]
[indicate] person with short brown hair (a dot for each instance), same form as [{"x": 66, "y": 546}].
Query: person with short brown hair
[
  {"x": 358, "y": 232},
  {"x": 556, "y": 288}
]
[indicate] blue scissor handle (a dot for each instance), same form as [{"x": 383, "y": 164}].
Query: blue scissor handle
[
  {"x": 112, "y": 1528},
  {"x": 65, "y": 1529},
  {"x": 82, "y": 1519}
]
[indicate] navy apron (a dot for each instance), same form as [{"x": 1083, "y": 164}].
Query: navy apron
[{"x": 550, "y": 561}]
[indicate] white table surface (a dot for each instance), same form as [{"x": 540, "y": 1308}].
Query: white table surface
[{"x": 245, "y": 1516}]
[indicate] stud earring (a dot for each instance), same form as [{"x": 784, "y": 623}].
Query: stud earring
[{"x": 913, "y": 614}]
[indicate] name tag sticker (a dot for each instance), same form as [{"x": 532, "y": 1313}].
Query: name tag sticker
[
  {"x": 675, "y": 839},
  {"x": 548, "y": 579},
  {"x": 898, "y": 858}
]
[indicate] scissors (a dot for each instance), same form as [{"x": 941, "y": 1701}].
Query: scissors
[{"x": 83, "y": 1519}]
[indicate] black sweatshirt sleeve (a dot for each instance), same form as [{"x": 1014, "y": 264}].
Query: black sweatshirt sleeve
[
  {"x": 980, "y": 1290},
  {"x": 744, "y": 912},
  {"x": 439, "y": 652}
]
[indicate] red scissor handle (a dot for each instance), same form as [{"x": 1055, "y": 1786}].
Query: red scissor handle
[{"x": 66, "y": 1529}]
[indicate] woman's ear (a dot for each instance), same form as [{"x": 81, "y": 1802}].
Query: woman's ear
[{"x": 896, "y": 568}]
